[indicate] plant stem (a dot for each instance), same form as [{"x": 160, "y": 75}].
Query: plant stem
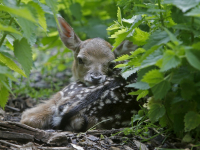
[
  {"x": 5, "y": 34},
  {"x": 192, "y": 34},
  {"x": 161, "y": 16}
]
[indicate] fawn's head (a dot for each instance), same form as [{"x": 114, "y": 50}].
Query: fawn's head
[{"x": 92, "y": 57}]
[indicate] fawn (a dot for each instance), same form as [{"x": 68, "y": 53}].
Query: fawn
[{"x": 95, "y": 96}]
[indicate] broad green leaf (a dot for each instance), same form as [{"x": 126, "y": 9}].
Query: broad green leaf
[
  {"x": 28, "y": 28},
  {"x": 40, "y": 14},
  {"x": 196, "y": 45},
  {"x": 9, "y": 29},
  {"x": 183, "y": 107},
  {"x": 163, "y": 121},
  {"x": 152, "y": 58},
  {"x": 193, "y": 57},
  {"x": 194, "y": 12},
  {"x": 122, "y": 58},
  {"x": 53, "y": 6},
  {"x": 160, "y": 90},
  {"x": 172, "y": 37},
  {"x": 153, "y": 77},
  {"x": 21, "y": 12},
  {"x": 184, "y": 5},
  {"x": 75, "y": 9},
  {"x": 188, "y": 89},
  {"x": 3, "y": 95},
  {"x": 179, "y": 122},
  {"x": 23, "y": 53},
  {"x": 139, "y": 85},
  {"x": 119, "y": 16},
  {"x": 139, "y": 37},
  {"x": 156, "y": 111},
  {"x": 157, "y": 38},
  {"x": 192, "y": 120},
  {"x": 170, "y": 60},
  {"x": 181, "y": 73},
  {"x": 11, "y": 64}
]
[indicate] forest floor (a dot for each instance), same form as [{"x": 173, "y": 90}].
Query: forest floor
[{"x": 14, "y": 135}]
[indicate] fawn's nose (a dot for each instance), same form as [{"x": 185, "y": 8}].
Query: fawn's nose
[{"x": 95, "y": 78}]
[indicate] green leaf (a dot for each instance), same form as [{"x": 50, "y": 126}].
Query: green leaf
[
  {"x": 188, "y": 89},
  {"x": 153, "y": 77},
  {"x": 119, "y": 32},
  {"x": 157, "y": 38},
  {"x": 152, "y": 58},
  {"x": 181, "y": 73},
  {"x": 139, "y": 37},
  {"x": 128, "y": 73},
  {"x": 28, "y": 28},
  {"x": 172, "y": 37},
  {"x": 122, "y": 58},
  {"x": 192, "y": 120},
  {"x": 193, "y": 57},
  {"x": 113, "y": 27},
  {"x": 3, "y": 95},
  {"x": 119, "y": 16},
  {"x": 161, "y": 89},
  {"x": 183, "y": 107},
  {"x": 142, "y": 94},
  {"x": 139, "y": 85},
  {"x": 11, "y": 64},
  {"x": 122, "y": 34},
  {"x": 135, "y": 92},
  {"x": 75, "y": 9},
  {"x": 40, "y": 14},
  {"x": 9, "y": 29},
  {"x": 194, "y": 12},
  {"x": 184, "y": 5},
  {"x": 23, "y": 53},
  {"x": 156, "y": 111},
  {"x": 21, "y": 12},
  {"x": 179, "y": 122},
  {"x": 170, "y": 60},
  {"x": 137, "y": 51},
  {"x": 130, "y": 21}
]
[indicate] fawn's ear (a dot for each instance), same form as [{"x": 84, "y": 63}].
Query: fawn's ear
[
  {"x": 124, "y": 48},
  {"x": 67, "y": 35}
]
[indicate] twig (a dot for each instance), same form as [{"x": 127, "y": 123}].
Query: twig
[
  {"x": 12, "y": 108},
  {"x": 11, "y": 144}
]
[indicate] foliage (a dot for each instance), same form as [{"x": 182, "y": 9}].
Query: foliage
[{"x": 167, "y": 59}]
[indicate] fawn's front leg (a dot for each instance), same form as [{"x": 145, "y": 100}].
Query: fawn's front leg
[{"x": 41, "y": 115}]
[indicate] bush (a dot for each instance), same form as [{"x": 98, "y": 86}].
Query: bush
[{"x": 167, "y": 59}]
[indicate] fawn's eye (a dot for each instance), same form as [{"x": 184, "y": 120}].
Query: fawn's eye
[{"x": 80, "y": 60}]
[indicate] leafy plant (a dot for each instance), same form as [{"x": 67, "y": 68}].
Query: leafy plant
[
  {"x": 167, "y": 59},
  {"x": 19, "y": 21}
]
